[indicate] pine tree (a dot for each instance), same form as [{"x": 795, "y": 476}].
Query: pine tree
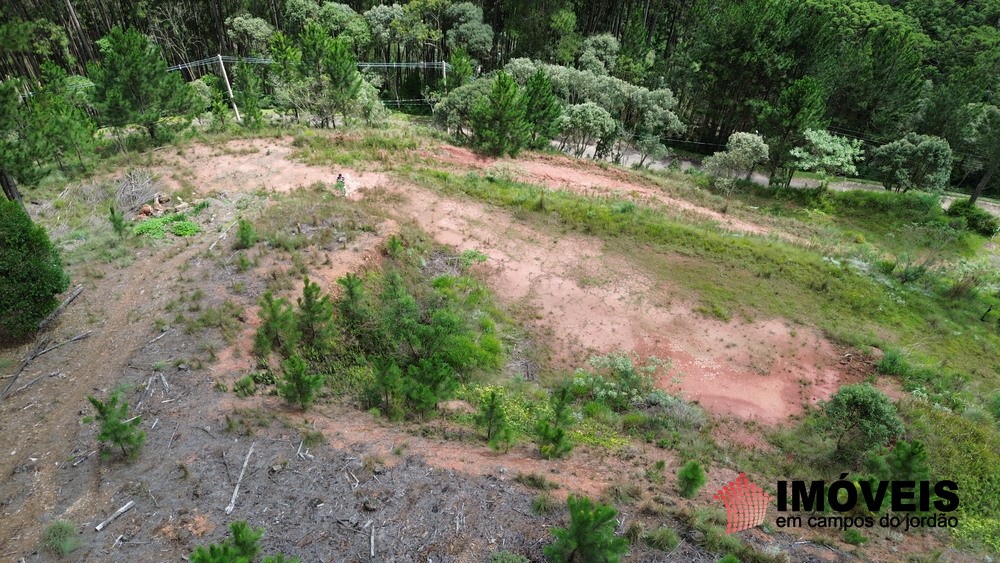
[
  {"x": 248, "y": 91},
  {"x": 498, "y": 120},
  {"x": 542, "y": 109},
  {"x": 116, "y": 426},
  {"x": 553, "y": 441},
  {"x": 132, "y": 85},
  {"x": 315, "y": 318},
  {"x": 342, "y": 71},
  {"x": 690, "y": 479},
  {"x": 63, "y": 128},
  {"x": 297, "y": 385},
  {"x": 351, "y": 303},
  {"x": 278, "y": 329},
  {"x": 493, "y": 418},
  {"x": 388, "y": 386},
  {"x": 590, "y": 535}
]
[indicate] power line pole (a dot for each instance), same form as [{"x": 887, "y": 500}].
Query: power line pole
[{"x": 229, "y": 88}]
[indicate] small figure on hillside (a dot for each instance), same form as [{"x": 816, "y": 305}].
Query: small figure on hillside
[{"x": 340, "y": 185}]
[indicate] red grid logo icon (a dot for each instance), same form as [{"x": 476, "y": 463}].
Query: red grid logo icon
[{"x": 745, "y": 502}]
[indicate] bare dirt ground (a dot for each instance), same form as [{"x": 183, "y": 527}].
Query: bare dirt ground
[{"x": 423, "y": 488}]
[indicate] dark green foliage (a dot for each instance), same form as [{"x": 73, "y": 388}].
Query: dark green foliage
[
  {"x": 418, "y": 348},
  {"x": 59, "y": 122},
  {"x": 132, "y": 85},
  {"x": 861, "y": 418},
  {"x": 507, "y": 557},
  {"x": 31, "y": 273},
  {"x": 663, "y": 539},
  {"x": 245, "y": 387},
  {"x": 493, "y": 419},
  {"x": 552, "y": 439},
  {"x": 800, "y": 106},
  {"x": 915, "y": 162},
  {"x": 908, "y": 462},
  {"x": 296, "y": 384},
  {"x": 246, "y": 235},
  {"x": 278, "y": 329},
  {"x": 730, "y": 558},
  {"x": 243, "y": 546},
  {"x": 590, "y": 535},
  {"x": 247, "y": 90},
  {"x": 315, "y": 319},
  {"x": 542, "y": 109},
  {"x": 976, "y": 218},
  {"x": 61, "y": 538},
  {"x": 116, "y": 426},
  {"x": 499, "y": 120},
  {"x": 117, "y": 220},
  {"x": 461, "y": 69},
  {"x": 351, "y": 305},
  {"x": 994, "y": 406},
  {"x": 245, "y": 539},
  {"x": 690, "y": 479}
]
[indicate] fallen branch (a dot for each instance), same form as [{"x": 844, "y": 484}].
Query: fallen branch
[
  {"x": 222, "y": 236},
  {"x": 164, "y": 380},
  {"x": 38, "y": 351},
  {"x": 236, "y": 491},
  {"x": 164, "y": 333},
  {"x": 373, "y": 541},
  {"x": 84, "y": 458},
  {"x": 76, "y": 293},
  {"x": 118, "y": 513}
]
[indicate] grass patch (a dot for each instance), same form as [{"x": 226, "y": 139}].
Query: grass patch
[{"x": 61, "y": 538}]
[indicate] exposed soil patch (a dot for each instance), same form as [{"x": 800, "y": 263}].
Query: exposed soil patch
[
  {"x": 591, "y": 301},
  {"x": 590, "y": 179}
]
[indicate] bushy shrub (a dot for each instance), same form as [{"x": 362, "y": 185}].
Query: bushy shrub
[
  {"x": 690, "y": 479},
  {"x": 246, "y": 235},
  {"x": 31, "y": 273},
  {"x": 297, "y": 385},
  {"x": 616, "y": 381},
  {"x": 861, "y": 418},
  {"x": 590, "y": 535},
  {"x": 976, "y": 219}
]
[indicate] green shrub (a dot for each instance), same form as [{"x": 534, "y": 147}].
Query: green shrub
[
  {"x": 116, "y": 426},
  {"x": 854, "y": 537},
  {"x": 117, "y": 219},
  {"x": 976, "y": 219},
  {"x": 994, "y": 407},
  {"x": 297, "y": 385},
  {"x": 242, "y": 547},
  {"x": 894, "y": 363},
  {"x": 184, "y": 228},
  {"x": 246, "y": 236},
  {"x": 507, "y": 557},
  {"x": 61, "y": 538},
  {"x": 552, "y": 439},
  {"x": 690, "y": 479},
  {"x": 730, "y": 558},
  {"x": 492, "y": 417},
  {"x": 861, "y": 418},
  {"x": 663, "y": 539},
  {"x": 245, "y": 387},
  {"x": 590, "y": 535},
  {"x": 31, "y": 273}
]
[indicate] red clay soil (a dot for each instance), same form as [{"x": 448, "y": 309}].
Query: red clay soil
[
  {"x": 589, "y": 178},
  {"x": 591, "y": 301}
]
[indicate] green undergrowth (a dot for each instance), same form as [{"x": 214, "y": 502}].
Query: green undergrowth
[
  {"x": 354, "y": 148},
  {"x": 175, "y": 223},
  {"x": 752, "y": 276}
]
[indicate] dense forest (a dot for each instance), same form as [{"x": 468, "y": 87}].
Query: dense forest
[{"x": 870, "y": 70}]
